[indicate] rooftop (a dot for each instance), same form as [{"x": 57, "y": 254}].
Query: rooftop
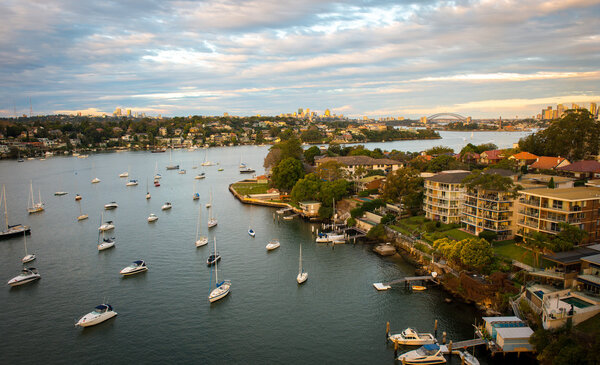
[
  {"x": 594, "y": 259},
  {"x": 450, "y": 177},
  {"x": 571, "y": 257},
  {"x": 514, "y": 332},
  {"x": 501, "y": 172},
  {"x": 547, "y": 162},
  {"x": 570, "y": 194},
  {"x": 524, "y": 156},
  {"x": 582, "y": 166},
  {"x": 359, "y": 160},
  {"x": 541, "y": 178}
]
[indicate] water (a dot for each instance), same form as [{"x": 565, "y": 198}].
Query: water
[{"x": 164, "y": 314}]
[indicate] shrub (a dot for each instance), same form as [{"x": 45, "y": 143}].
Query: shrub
[
  {"x": 351, "y": 222},
  {"x": 488, "y": 235},
  {"x": 430, "y": 226}
]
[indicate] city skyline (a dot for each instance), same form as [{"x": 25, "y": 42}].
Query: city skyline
[{"x": 377, "y": 59}]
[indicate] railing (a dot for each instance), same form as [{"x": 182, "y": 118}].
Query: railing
[
  {"x": 528, "y": 224},
  {"x": 529, "y": 213}
]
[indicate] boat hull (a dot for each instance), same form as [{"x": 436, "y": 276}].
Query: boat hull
[
  {"x": 302, "y": 277},
  {"x": 201, "y": 242},
  {"x": 17, "y": 281},
  {"x": 15, "y": 231},
  {"x": 220, "y": 292},
  {"x": 91, "y": 320},
  {"x": 128, "y": 272},
  {"x": 105, "y": 246}
]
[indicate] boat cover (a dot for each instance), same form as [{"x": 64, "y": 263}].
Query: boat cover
[{"x": 431, "y": 347}]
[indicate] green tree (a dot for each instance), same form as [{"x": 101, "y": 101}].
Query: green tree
[
  {"x": 312, "y": 135},
  {"x": 377, "y": 233},
  {"x": 287, "y": 173},
  {"x": 331, "y": 170},
  {"x": 311, "y": 153},
  {"x": 307, "y": 188},
  {"x": 442, "y": 163},
  {"x": 404, "y": 185},
  {"x": 551, "y": 184},
  {"x": 539, "y": 243},
  {"x": 490, "y": 181},
  {"x": 476, "y": 253},
  {"x": 439, "y": 150}
]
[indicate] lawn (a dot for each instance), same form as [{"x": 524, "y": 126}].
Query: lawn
[
  {"x": 509, "y": 250},
  {"x": 250, "y": 188},
  {"x": 591, "y": 326}
]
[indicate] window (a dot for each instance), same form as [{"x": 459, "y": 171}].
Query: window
[{"x": 557, "y": 204}]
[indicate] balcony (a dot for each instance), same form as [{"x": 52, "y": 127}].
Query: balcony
[
  {"x": 529, "y": 213},
  {"x": 533, "y": 202},
  {"x": 528, "y": 224}
]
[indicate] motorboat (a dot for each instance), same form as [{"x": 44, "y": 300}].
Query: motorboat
[
  {"x": 60, "y": 193},
  {"x": 427, "y": 354},
  {"x": 152, "y": 218},
  {"x": 182, "y": 172},
  {"x": 221, "y": 288},
  {"x": 288, "y": 217},
  {"x": 466, "y": 357},
  {"x": 196, "y": 196},
  {"x": 156, "y": 183},
  {"x": 106, "y": 243},
  {"x": 11, "y": 230},
  {"x": 77, "y": 197},
  {"x": 322, "y": 238},
  {"x": 251, "y": 232},
  {"x": 166, "y": 206},
  {"x": 135, "y": 268},
  {"x": 95, "y": 180},
  {"x": 100, "y": 314},
  {"x": 106, "y": 226},
  {"x": 111, "y": 205},
  {"x": 213, "y": 258},
  {"x": 124, "y": 174},
  {"x": 273, "y": 244},
  {"x": 200, "y": 176},
  {"x": 27, "y": 275},
  {"x": 28, "y": 257},
  {"x": 132, "y": 183},
  {"x": 302, "y": 275},
  {"x": 418, "y": 287},
  {"x": 335, "y": 237},
  {"x": 247, "y": 170},
  {"x": 411, "y": 337},
  {"x": 157, "y": 177}
]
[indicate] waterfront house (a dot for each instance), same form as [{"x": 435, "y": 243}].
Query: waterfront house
[
  {"x": 510, "y": 334},
  {"x": 310, "y": 208},
  {"x": 581, "y": 169},
  {"x": 548, "y": 163},
  {"x": 491, "y": 157},
  {"x": 351, "y": 163},
  {"x": 524, "y": 158},
  {"x": 444, "y": 193},
  {"x": 543, "y": 210}
]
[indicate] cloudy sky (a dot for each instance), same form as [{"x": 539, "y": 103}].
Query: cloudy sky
[{"x": 373, "y": 57}]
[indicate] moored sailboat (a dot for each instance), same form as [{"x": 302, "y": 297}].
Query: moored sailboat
[
  {"x": 34, "y": 207},
  {"x": 221, "y": 288},
  {"x": 11, "y": 230},
  {"x": 200, "y": 240},
  {"x": 302, "y": 275}
]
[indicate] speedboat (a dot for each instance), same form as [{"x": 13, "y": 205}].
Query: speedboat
[
  {"x": 322, "y": 238},
  {"x": 28, "y": 258},
  {"x": 251, "y": 232},
  {"x": 182, "y": 171},
  {"x": 157, "y": 176},
  {"x": 124, "y": 174},
  {"x": 156, "y": 183},
  {"x": 106, "y": 226},
  {"x": 100, "y": 314},
  {"x": 166, "y": 206},
  {"x": 247, "y": 170},
  {"x": 60, "y": 193},
  {"x": 220, "y": 291},
  {"x": 201, "y": 241},
  {"x": 273, "y": 244},
  {"x": 27, "y": 275},
  {"x": 95, "y": 180},
  {"x": 214, "y": 257},
  {"x": 152, "y": 218},
  {"x": 106, "y": 244},
  {"x": 77, "y": 197},
  {"x": 132, "y": 183},
  {"x": 201, "y": 175},
  {"x": 135, "y": 268},
  {"x": 212, "y": 222},
  {"x": 411, "y": 337},
  {"x": 111, "y": 205},
  {"x": 196, "y": 196},
  {"x": 427, "y": 354}
]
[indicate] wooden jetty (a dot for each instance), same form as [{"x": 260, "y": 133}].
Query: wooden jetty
[{"x": 406, "y": 280}]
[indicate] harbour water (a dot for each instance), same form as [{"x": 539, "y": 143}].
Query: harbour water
[{"x": 164, "y": 314}]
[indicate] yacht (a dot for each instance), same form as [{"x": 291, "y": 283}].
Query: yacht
[
  {"x": 11, "y": 230},
  {"x": 132, "y": 183},
  {"x": 411, "y": 337},
  {"x": 77, "y": 197},
  {"x": 152, "y": 218},
  {"x": 273, "y": 244},
  {"x": 111, "y": 205},
  {"x": 156, "y": 183},
  {"x": 106, "y": 243},
  {"x": 135, "y": 268},
  {"x": 220, "y": 169},
  {"x": 95, "y": 180},
  {"x": 124, "y": 174},
  {"x": 100, "y": 314},
  {"x": 427, "y": 354},
  {"x": 34, "y": 207},
  {"x": 201, "y": 175},
  {"x": 247, "y": 170},
  {"x": 60, "y": 193},
  {"x": 214, "y": 257},
  {"x": 27, "y": 275},
  {"x": 106, "y": 226},
  {"x": 157, "y": 176},
  {"x": 322, "y": 238},
  {"x": 221, "y": 288},
  {"x": 196, "y": 196},
  {"x": 166, "y": 206}
]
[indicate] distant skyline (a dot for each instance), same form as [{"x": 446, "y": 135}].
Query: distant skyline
[{"x": 379, "y": 58}]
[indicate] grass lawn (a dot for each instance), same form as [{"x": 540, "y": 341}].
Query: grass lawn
[
  {"x": 250, "y": 188},
  {"x": 509, "y": 250},
  {"x": 591, "y": 326}
]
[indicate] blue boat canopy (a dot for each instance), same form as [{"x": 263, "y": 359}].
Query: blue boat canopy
[
  {"x": 431, "y": 347},
  {"x": 104, "y": 307},
  {"x": 139, "y": 262}
]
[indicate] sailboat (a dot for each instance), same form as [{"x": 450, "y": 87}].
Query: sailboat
[
  {"x": 200, "y": 240},
  {"x": 148, "y": 196},
  {"x": 124, "y": 174},
  {"x": 212, "y": 221},
  {"x": 221, "y": 288},
  {"x": 35, "y": 207},
  {"x": 81, "y": 215},
  {"x": 28, "y": 257},
  {"x": 302, "y": 275},
  {"x": 206, "y": 162},
  {"x": 170, "y": 166},
  {"x": 196, "y": 195},
  {"x": 106, "y": 242},
  {"x": 156, "y": 174},
  {"x": 14, "y": 230}
]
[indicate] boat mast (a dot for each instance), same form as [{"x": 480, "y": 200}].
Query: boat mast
[
  {"x": 5, "y": 207},
  {"x": 31, "y": 193},
  {"x": 216, "y": 268},
  {"x": 25, "y": 241},
  {"x": 40, "y": 195},
  {"x": 198, "y": 223},
  {"x": 300, "y": 264}
]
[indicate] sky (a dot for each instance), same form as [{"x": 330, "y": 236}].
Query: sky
[{"x": 375, "y": 58}]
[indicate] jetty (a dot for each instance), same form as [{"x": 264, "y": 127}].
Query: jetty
[{"x": 407, "y": 280}]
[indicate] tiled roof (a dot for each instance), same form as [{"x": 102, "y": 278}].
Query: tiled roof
[
  {"x": 493, "y": 154},
  {"x": 449, "y": 177},
  {"x": 501, "y": 172},
  {"x": 524, "y": 156},
  {"x": 359, "y": 160},
  {"x": 582, "y": 166},
  {"x": 547, "y": 162}
]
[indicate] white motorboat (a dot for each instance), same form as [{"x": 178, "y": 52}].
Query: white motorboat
[
  {"x": 322, "y": 238},
  {"x": 11, "y": 230},
  {"x": 247, "y": 170},
  {"x": 35, "y": 207},
  {"x": 273, "y": 244},
  {"x": 157, "y": 176},
  {"x": 135, "y": 268},
  {"x": 106, "y": 226},
  {"x": 166, "y": 206},
  {"x": 152, "y": 218},
  {"x": 466, "y": 357},
  {"x": 95, "y": 180},
  {"x": 28, "y": 257},
  {"x": 221, "y": 288},
  {"x": 200, "y": 176},
  {"x": 27, "y": 275},
  {"x": 132, "y": 182},
  {"x": 427, "y": 354},
  {"x": 302, "y": 275},
  {"x": 124, "y": 174},
  {"x": 106, "y": 243},
  {"x": 200, "y": 240},
  {"x": 251, "y": 232},
  {"x": 100, "y": 314},
  {"x": 411, "y": 337},
  {"x": 60, "y": 193},
  {"x": 111, "y": 205},
  {"x": 182, "y": 172},
  {"x": 336, "y": 237}
]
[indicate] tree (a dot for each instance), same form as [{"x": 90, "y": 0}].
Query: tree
[
  {"x": 568, "y": 237},
  {"x": 486, "y": 181},
  {"x": 539, "y": 243},
  {"x": 439, "y": 150},
  {"x": 311, "y": 153},
  {"x": 476, "y": 253},
  {"x": 404, "y": 185},
  {"x": 551, "y": 184},
  {"x": 312, "y": 135},
  {"x": 306, "y": 188},
  {"x": 272, "y": 159},
  {"x": 331, "y": 170},
  {"x": 287, "y": 173},
  {"x": 442, "y": 163},
  {"x": 377, "y": 233}
]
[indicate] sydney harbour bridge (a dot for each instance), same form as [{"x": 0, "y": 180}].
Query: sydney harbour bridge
[{"x": 447, "y": 117}]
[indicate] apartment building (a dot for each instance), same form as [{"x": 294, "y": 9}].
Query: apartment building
[
  {"x": 444, "y": 193},
  {"x": 543, "y": 210}
]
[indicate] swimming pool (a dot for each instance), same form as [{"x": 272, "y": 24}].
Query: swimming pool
[{"x": 576, "y": 302}]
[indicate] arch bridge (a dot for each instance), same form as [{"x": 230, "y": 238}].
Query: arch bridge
[{"x": 443, "y": 116}]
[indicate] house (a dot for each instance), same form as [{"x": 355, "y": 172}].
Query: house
[
  {"x": 548, "y": 163},
  {"x": 524, "y": 158},
  {"x": 491, "y": 157},
  {"x": 581, "y": 169},
  {"x": 310, "y": 208},
  {"x": 262, "y": 179},
  {"x": 444, "y": 193},
  {"x": 535, "y": 181},
  {"x": 370, "y": 182},
  {"x": 470, "y": 158},
  {"x": 510, "y": 334},
  {"x": 351, "y": 163}
]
